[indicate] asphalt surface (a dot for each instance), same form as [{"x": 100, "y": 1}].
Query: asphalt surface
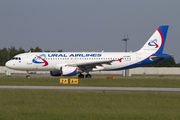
[{"x": 70, "y": 88}]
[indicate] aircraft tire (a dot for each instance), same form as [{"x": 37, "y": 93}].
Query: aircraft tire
[
  {"x": 28, "y": 76},
  {"x": 88, "y": 76},
  {"x": 80, "y": 76}
]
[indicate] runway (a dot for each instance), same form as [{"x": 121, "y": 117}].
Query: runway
[{"x": 72, "y": 88}]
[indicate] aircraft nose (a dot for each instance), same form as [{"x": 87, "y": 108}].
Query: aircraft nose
[{"x": 8, "y": 64}]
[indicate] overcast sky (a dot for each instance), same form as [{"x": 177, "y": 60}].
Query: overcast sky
[{"x": 88, "y": 25}]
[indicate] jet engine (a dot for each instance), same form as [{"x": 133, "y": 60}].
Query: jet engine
[{"x": 65, "y": 71}]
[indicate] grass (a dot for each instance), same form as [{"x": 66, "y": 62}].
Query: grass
[
  {"x": 69, "y": 105},
  {"x": 63, "y": 105},
  {"x": 119, "y": 81}
]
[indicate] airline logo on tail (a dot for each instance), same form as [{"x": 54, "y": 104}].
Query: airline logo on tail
[
  {"x": 40, "y": 60},
  {"x": 153, "y": 43}
]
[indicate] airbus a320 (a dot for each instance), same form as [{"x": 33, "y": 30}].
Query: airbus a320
[{"x": 77, "y": 63}]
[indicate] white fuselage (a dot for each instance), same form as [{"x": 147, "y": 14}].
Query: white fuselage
[{"x": 119, "y": 60}]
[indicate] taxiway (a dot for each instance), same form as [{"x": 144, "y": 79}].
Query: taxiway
[{"x": 72, "y": 88}]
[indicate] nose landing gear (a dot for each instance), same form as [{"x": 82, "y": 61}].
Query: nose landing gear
[{"x": 28, "y": 75}]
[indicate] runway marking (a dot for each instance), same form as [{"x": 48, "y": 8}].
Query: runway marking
[{"x": 71, "y": 88}]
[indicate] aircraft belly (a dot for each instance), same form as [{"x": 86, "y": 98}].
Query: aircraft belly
[
  {"x": 112, "y": 66},
  {"x": 117, "y": 65}
]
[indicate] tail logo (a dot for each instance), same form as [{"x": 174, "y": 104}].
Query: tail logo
[
  {"x": 40, "y": 59},
  {"x": 153, "y": 43}
]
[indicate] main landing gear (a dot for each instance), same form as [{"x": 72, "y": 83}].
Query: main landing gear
[
  {"x": 88, "y": 76},
  {"x": 82, "y": 76}
]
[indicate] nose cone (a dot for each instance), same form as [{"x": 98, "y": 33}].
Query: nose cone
[
  {"x": 7, "y": 64},
  {"x": 10, "y": 64}
]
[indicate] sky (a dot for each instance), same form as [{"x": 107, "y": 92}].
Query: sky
[{"x": 88, "y": 25}]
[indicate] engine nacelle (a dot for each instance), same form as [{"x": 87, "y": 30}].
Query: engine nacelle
[
  {"x": 65, "y": 71},
  {"x": 69, "y": 71}
]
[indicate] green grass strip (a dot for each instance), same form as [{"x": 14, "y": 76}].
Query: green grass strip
[
  {"x": 119, "y": 81},
  {"x": 63, "y": 105}
]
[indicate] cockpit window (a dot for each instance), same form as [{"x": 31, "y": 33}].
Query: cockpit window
[{"x": 16, "y": 58}]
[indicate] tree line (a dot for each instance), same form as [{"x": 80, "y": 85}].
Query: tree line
[
  {"x": 166, "y": 63},
  {"x": 8, "y": 53}
]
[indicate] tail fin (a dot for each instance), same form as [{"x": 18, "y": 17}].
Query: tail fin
[{"x": 156, "y": 42}]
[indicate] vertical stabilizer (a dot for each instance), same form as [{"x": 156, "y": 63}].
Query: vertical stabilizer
[{"x": 156, "y": 42}]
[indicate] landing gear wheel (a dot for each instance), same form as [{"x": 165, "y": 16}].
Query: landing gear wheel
[
  {"x": 28, "y": 76},
  {"x": 80, "y": 76},
  {"x": 88, "y": 76}
]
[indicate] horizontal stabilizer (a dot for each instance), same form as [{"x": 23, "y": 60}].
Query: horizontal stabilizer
[{"x": 154, "y": 58}]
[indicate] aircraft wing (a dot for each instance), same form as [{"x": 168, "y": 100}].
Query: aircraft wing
[{"x": 90, "y": 65}]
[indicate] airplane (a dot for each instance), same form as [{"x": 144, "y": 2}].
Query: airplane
[{"x": 76, "y": 63}]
